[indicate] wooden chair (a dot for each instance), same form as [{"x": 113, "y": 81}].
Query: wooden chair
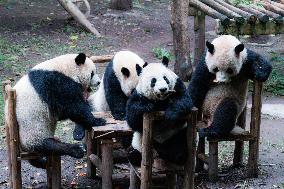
[
  {"x": 252, "y": 136},
  {"x": 147, "y": 153},
  {"x": 15, "y": 154}
]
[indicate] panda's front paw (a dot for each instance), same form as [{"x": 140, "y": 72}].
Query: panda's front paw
[
  {"x": 78, "y": 133},
  {"x": 120, "y": 117},
  {"x": 100, "y": 122},
  {"x": 77, "y": 151}
]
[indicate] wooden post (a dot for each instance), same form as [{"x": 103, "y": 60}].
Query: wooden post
[
  {"x": 171, "y": 180},
  {"x": 179, "y": 24},
  {"x": 107, "y": 163},
  {"x": 200, "y": 150},
  {"x": 5, "y": 97},
  {"x": 199, "y": 30},
  {"x": 213, "y": 161},
  {"x": 134, "y": 180},
  {"x": 91, "y": 149},
  {"x": 53, "y": 171},
  {"x": 239, "y": 145},
  {"x": 255, "y": 129},
  {"x": 191, "y": 144},
  {"x": 14, "y": 140},
  {"x": 146, "y": 164}
]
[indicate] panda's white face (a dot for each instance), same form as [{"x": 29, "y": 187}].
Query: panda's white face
[
  {"x": 156, "y": 82},
  {"x": 127, "y": 67},
  {"x": 225, "y": 57},
  {"x": 88, "y": 74}
]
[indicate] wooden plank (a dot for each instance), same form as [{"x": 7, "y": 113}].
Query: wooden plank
[
  {"x": 239, "y": 145},
  {"x": 230, "y": 137},
  {"x": 134, "y": 179},
  {"x": 273, "y": 8},
  {"x": 261, "y": 16},
  {"x": 200, "y": 150},
  {"x": 213, "y": 161},
  {"x": 107, "y": 163},
  {"x": 199, "y": 31},
  {"x": 14, "y": 140},
  {"x": 56, "y": 171},
  {"x": 209, "y": 11},
  {"x": 101, "y": 59},
  {"x": 146, "y": 164},
  {"x": 191, "y": 143},
  {"x": 204, "y": 158},
  {"x": 255, "y": 129},
  {"x": 29, "y": 155},
  {"x": 179, "y": 24},
  {"x": 276, "y": 17}
]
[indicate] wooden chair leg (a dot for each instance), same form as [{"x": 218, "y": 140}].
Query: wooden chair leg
[
  {"x": 107, "y": 163},
  {"x": 16, "y": 178},
  {"x": 134, "y": 179},
  {"x": 147, "y": 155},
  {"x": 239, "y": 145},
  {"x": 172, "y": 180},
  {"x": 91, "y": 149},
  {"x": 200, "y": 150},
  {"x": 191, "y": 156},
  {"x": 255, "y": 129},
  {"x": 53, "y": 172},
  {"x": 213, "y": 161}
]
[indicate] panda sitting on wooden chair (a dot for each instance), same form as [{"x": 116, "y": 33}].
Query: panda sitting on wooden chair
[{"x": 219, "y": 84}]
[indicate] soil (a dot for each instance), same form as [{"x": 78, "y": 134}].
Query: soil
[{"x": 140, "y": 30}]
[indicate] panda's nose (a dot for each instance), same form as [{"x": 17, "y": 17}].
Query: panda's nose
[
  {"x": 163, "y": 90},
  {"x": 98, "y": 83}
]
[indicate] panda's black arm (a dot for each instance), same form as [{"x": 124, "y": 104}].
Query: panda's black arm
[
  {"x": 181, "y": 103},
  {"x": 256, "y": 66},
  {"x": 81, "y": 113},
  {"x": 200, "y": 83},
  {"x": 115, "y": 97}
]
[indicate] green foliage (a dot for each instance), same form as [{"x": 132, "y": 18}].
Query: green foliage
[
  {"x": 160, "y": 52},
  {"x": 275, "y": 83}
]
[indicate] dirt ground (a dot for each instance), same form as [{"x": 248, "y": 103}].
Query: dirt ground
[{"x": 33, "y": 31}]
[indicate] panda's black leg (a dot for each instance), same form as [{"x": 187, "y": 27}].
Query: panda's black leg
[
  {"x": 79, "y": 132},
  {"x": 38, "y": 163},
  {"x": 224, "y": 119},
  {"x": 51, "y": 146}
]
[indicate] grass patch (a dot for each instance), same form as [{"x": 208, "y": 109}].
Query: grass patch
[
  {"x": 275, "y": 83},
  {"x": 161, "y": 52}
]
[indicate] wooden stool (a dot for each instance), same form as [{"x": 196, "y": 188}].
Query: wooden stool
[
  {"x": 252, "y": 137},
  {"x": 147, "y": 153},
  {"x": 15, "y": 155},
  {"x": 101, "y": 142}
]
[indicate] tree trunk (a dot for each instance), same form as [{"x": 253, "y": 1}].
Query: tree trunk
[{"x": 121, "y": 4}]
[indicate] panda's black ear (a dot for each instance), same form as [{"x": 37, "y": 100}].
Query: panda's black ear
[
  {"x": 80, "y": 59},
  {"x": 125, "y": 72},
  {"x": 138, "y": 69},
  {"x": 165, "y": 61},
  {"x": 210, "y": 47},
  {"x": 239, "y": 48},
  {"x": 145, "y": 64}
]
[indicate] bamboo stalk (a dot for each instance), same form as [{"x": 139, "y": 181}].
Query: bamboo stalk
[{"x": 101, "y": 59}]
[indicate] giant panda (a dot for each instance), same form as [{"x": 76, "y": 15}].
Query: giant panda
[
  {"x": 120, "y": 78},
  {"x": 159, "y": 89},
  {"x": 54, "y": 90},
  {"x": 219, "y": 84}
]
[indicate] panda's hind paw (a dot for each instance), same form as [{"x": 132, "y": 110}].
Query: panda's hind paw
[
  {"x": 100, "y": 122},
  {"x": 77, "y": 151}
]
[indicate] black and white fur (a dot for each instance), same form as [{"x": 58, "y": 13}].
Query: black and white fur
[
  {"x": 160, "y": 89},
  {"x": 54, "y": 90},
  {"x": 120, "y": 78},
  {"x": 219, "y": 83}
]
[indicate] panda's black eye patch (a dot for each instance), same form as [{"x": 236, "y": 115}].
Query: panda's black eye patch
[
  {"x": 215, "y": 70},
  {"x": 230, "y": 71},
  {"x": 153, "y": 82},
  {"x": 125, "y": 72},
  {"x": 92, "y": 74},
  {"x": 166, "y": 79}
]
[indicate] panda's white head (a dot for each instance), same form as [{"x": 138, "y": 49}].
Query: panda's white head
[
  {"x": 157, "y": 82},
  {"x": 127, "y": 67},
  {"x": 76, "y": 66},
  {"x": 225, "y": 57}
]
